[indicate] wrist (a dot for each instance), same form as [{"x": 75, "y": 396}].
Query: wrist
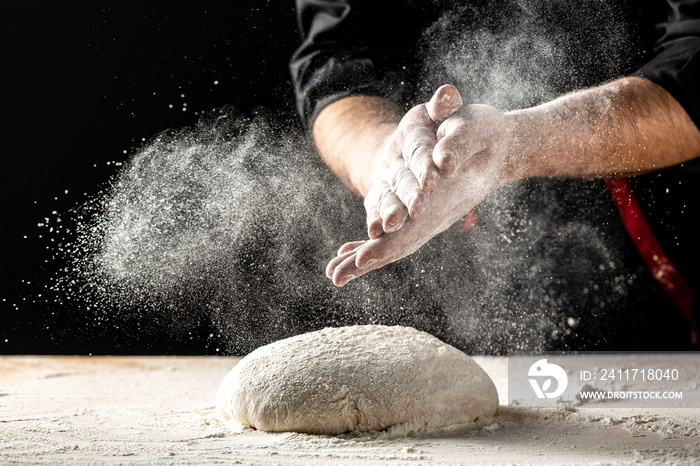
[
  {"x": 509, "y": 156},
  {"x": 527, "y": 147}
]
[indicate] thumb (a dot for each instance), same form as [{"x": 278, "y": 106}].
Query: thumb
[{"x": 444, "y": 102}]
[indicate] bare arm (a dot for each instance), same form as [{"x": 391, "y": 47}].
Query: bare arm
[
  {"x": 350, "y": 134},
  {"x": 627, "y": 127}
]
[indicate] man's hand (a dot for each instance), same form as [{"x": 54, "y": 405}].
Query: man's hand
[
  {"x": 472, "y": 160},
  {"x": 407, "y": 170}
]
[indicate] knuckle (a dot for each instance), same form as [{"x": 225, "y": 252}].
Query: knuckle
[
  {"x": 415, "y": 149},
  {"x": 399, "y": 180},
  {"x": 410, "y": 151},
  {"x": 385, "y": 200}
]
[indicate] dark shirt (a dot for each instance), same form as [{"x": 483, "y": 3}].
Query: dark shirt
[
  {"x": 349, "y": 47},
  {"x": 393, "y": 49}
]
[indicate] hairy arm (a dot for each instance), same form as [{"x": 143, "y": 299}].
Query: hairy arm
[{"x": 627, "y": 127}]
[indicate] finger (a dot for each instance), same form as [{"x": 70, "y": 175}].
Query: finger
[
  {"x": 445, "y": 159},
  {"x": 345, "y": 270},
  {"x": 336, "y": 261},
  {"x": 417, "y": 153},
  {"x": 349, "y": 247},
  {"x": 374, "y": 255},
  {"x": 390, "y": 207},
  {"x": 444, "y": 102},
  {"x": 374, "y": 220},
  {"x": 388, "y": 248},
  {"x": 405, "y": 187},
  {"x": 446, "y": 154}
]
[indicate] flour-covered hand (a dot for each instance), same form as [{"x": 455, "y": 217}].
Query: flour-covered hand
[
  {"x": 406, "y": 171},
  {"x": 471, "y": 153}
]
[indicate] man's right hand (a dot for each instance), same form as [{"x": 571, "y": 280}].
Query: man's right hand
[{"x": 407, "y": 170}]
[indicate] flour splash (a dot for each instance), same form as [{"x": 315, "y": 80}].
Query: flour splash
[{"x": 232, "y": 221}]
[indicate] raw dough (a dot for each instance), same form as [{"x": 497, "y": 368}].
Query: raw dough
[{"x": 356, "y": 378}]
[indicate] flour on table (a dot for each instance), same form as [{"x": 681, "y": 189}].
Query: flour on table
[{"x": 357, "y": 378}]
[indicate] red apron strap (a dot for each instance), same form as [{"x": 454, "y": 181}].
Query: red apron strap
[
  {"x": 671, "y": 281},
  {"x": 468, "y": 222},
  {"x": 659, "y": 263}
]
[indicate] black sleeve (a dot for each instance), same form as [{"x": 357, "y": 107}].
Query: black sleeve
[
  {"x": 675, "y": 65},
  {"x": 348, "y": 48}
]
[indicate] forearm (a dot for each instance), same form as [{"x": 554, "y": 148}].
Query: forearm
[
  {"x": 627, "y": 127},
  {"x": 350, "y": 133}
]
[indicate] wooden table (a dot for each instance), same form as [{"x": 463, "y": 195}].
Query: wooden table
[{"x": 159, "y": 410}]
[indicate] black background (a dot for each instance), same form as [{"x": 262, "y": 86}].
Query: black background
[{"x": 84, "y": 84}]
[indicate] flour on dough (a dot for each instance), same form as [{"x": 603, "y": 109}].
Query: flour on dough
[{"x": 357, "y": 378}]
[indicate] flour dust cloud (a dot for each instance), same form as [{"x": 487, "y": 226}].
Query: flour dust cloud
[{"x": 232, "y": 221}]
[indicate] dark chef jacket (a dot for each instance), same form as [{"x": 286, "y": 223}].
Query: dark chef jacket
[{"x": 351, "y": 47}]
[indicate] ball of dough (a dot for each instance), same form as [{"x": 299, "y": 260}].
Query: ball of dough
[{"x": 356, "y": 378}]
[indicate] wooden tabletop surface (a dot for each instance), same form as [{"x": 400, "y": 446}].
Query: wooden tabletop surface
[{"x": 160, "y": 410}]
